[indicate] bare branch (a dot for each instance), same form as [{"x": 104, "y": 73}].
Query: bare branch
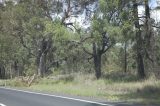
[
  {"x": 158, "y": 27},
  {"x": 89, "y": 59},
  {"x": 84, "y": 49},
  {"x": 71, "y": 24},
  {"x": 25, "y": 46},
  {"x": 66, "y": 12},
  {"x": 105, "y": 50},
  {"x": 83, "y": 40}
]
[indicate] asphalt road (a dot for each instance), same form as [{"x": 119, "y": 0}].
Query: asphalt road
[{"x": 12, "y": 97}]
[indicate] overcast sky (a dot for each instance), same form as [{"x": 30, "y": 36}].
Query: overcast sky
[
  {"x": 153, "y": 3},
  {"x": 155, "y": 14}
]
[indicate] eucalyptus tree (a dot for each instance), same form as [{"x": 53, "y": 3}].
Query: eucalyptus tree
[
  {"x": 8, "y": 43},
  {"x": 145, "y": 37},
  {"x": 40, "y": 30},
  {"x": 104, "y": 28},
  {"x": 33, "y": 16},
  {"x": 24, "y": 21},
  {"x": 127, "y": 34},
  {"x": 149, "y": 37}
]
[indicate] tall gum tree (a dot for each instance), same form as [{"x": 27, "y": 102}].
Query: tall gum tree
[
  {"x": 149, "y": 36},
  {"x": 101, "y": 40}
]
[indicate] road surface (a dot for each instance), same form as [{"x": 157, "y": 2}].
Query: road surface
[{"x": 13, "y": 97}]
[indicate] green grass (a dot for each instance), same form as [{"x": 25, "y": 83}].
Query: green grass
[{"x": 121, "y": 88}]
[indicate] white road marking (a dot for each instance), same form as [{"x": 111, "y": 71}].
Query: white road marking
[
  {"x": 2, "y": 104},
  {"x": 63, "y": 97}
]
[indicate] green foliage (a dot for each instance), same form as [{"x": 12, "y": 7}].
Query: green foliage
[
  {"x": 28, "y": 33},
  {"x": 108, "y": 5},
  {"x": 115, "y": 87},
  {"x": 100, "y": 26},
  {"x": 59, "y": 31},
  {"x": 25, "y": 25}
]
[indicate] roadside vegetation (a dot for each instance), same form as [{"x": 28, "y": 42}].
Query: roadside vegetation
[
  {"x": 113, "y": 87},
  {"x": 107, "y": 49}
]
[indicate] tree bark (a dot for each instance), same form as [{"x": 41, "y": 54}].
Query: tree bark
[
  {"x": 97, "y": 64},
  {"x": 125, "y": 57},
  {"x": 2, "y": 72},
  {"x": 42, "y": 65},
  {"x": 139, "y": 44},
  {"x": 149, "y": 37},
  {"x": 16, "y": 68},
  {"x": 97, "y": 60},
  {"x": 44, "y": 48},
  {"x": 140, "y": 63}
]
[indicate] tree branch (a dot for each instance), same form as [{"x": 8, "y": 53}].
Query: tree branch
[
  {"x": 25, "y": 46},
  {"x": 71, "y": 24},
  {"x": 158, "y": 27},
  {"x": 105, "y": 50},
  {"x": 84, "y": 49}
]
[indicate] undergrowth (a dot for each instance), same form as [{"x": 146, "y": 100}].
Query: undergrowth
[{"x": 120, "y": 88}]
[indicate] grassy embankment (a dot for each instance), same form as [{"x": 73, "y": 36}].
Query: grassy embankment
[{"x": 112, "y": 87}]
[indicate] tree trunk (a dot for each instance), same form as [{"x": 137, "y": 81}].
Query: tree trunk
[
  {"x": 140, "y": 64},
  {"x": 149, "y": 37},
  {"x": 97, "y": 61},
  {"x": 41, "y": 57},
  {"x": 140, "y": 58},
  {"x": 39, "y": 53},
  {"x": 97, "y": 65},
  {"x": 42, "y": 65},
  {"x": 11, "y": 71},
  {"x": 16, "y": 68},
  {"x": 139, "y": 42},
  {"x": 2, "y": 72},
  {"x": 125, "y": 57}
]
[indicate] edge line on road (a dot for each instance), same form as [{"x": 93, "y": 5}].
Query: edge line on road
[{"x": 63, "y": 97}]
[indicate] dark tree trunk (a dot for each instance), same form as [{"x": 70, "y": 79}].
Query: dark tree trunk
[
  {"x": 140, "y": 64},
  {"x": 2, "y": 72},
  {"x": 97, "y": 60},
  {"x": 38, "y": 60},
  {"x": 98, "y": 51},
  {"x": 44, "y": 48},
  {"x": 149, "y": 38},
  {"x": 41, "y": 58},
  {"x": 125, "y": 57},
  {"x": 97, "y": 65},
  {"x": 139, "y": 43},
  {"x": 16, "y": 68},
  {"x": 140, "y": 57},
  {"x": 42, "y": 65}
]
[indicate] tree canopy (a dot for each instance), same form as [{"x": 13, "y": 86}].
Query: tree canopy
[{"x": 40, "y": 37}]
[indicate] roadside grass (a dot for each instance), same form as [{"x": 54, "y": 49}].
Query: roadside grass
[{"x": 111, "y": 87}]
